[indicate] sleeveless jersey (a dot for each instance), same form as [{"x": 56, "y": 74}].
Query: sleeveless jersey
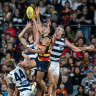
[
  {"x": 31, "y": 54},
  {"x": 46, "y": 55},
  {"x": 19, "y": 78},
  {"x": 57, "y": 50}
]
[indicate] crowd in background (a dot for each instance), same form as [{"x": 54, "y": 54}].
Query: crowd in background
[{"x": 78, "y": 17}]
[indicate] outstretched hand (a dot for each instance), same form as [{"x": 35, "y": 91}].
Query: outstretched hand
[
  {"x": 28, "y": 25},
  {"x": 91, "y": 47}
]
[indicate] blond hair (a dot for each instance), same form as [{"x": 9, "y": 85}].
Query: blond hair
[{"x": 10, "y": 63}]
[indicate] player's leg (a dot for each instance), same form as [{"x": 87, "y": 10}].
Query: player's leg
[
  {"x": 56, "y": 77},
  {"x": 39, "y": 79},
  {"x": 55, "y": 71},
  {"x": 50, "y": 80},
  {"x": 39, "y": 91},
  {"x": 42, "y": 67}
]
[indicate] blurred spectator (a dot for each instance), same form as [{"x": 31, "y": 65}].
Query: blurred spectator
[
  {"x": 78, "y": 62},
  {"x": 58, "y": 7},
  {"x": 81, "y": 91},
  {"x": 90, "y": 67},
  {"x": 63, "y": 2},
  {"x": 94, "y": 69},
  {"x": 6, "y": 17},
  {"x": 69, "y": 33},
  {"x": 61, "y": 91},
  {"x": 8, "y": 56},
  {"x": 66, "y": 11},
  {"x": 76, "y": 4},
  {"x": 63, "y": 62},
  {"x": 2, "y": 41},
  {"x": 87, "y": 81},
  {"x": 85, "y": 60},
  {"x": 85, "y": 19},
  {"x": 13, "y": 5},
  {"x": 17, "y": 20},
  {"x": 77, "y": 78},
  {"x": 4, "y": 89},
  {"x": 80, "y": 8},
  {"x": 67, "y": 84},
  {"x": 92, "y": 7},
  {"x": 3, "y": 60},
  {"x": 42, "y": 7},
  {"x": 10, "y": 30},
  {"x": 91, "y": 92},
  {"x": 78, "y": 35},
  {"x": 47, "y": 14},
  {"x": 53, "y": 13},
  {"x": 1, "y": 11}
]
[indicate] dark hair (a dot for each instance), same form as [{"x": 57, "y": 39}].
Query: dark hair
[{"x": 79, "y": 87}]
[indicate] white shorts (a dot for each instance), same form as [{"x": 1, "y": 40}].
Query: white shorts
[
  {"x": 54, "y": 66},
  {"x": 26, "y": 93}
]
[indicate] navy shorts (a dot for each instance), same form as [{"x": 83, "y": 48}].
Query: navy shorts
[{"x": 42, "y": 66}]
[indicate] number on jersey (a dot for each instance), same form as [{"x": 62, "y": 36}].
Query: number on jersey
[{"x": 19, "y": 75}]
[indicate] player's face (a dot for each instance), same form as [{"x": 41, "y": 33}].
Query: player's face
[{"x": 59, "y": 31}]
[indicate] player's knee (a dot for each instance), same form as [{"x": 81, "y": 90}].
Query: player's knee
[{"x": 51, "y": 81}]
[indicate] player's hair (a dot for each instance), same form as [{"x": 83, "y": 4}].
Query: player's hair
[{"x": 10, "y": 63}]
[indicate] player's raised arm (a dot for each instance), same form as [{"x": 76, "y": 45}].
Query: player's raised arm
[
  {"x": 35, "y": 32},
  {"x": 78, "y": 49},
  {"x": 21, "y": 35}
]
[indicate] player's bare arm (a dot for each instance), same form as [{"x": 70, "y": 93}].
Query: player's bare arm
[
  {"x": 21, "y": 38},
  {"x": 45, "y": 43},
  {"x": 78, "y": 49}
]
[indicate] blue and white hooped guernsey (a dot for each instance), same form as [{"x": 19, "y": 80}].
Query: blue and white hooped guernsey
[
  {"x": 31, "y": 54},
  {"x": 57, "y": 50},
  {"x": 19, "y": 78}
]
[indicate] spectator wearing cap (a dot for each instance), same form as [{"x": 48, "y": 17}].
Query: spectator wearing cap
[
  {"x": 58, "y": 7},
  {"x": 78, "y": 63},
  {"x": 94, "y": 85},
  {"x": 90, "y": 67},
  {"x": 91, "y": 92},
  {"x": 54, "y": 14},
  {"x": 87, "y": 81}
]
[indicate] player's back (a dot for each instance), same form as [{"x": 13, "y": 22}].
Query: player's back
[{"x": 20, "y": 79}]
